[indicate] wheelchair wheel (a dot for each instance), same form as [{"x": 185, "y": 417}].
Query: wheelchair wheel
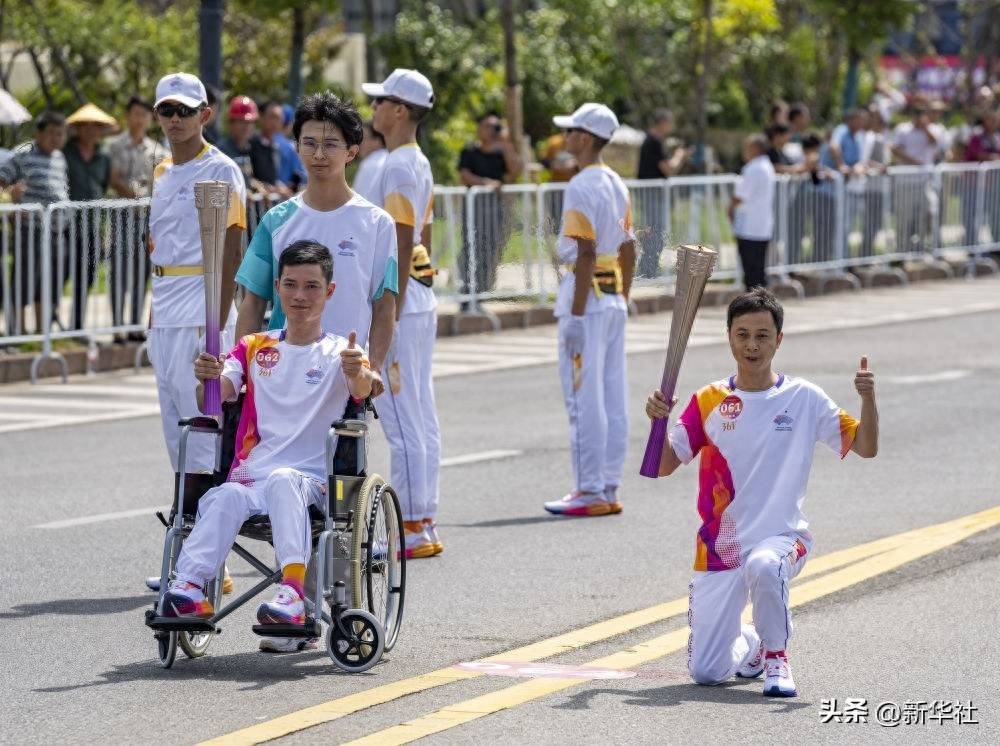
[
  {"x": 378, "y": 583},
  {"x": 195, "y": 644},
  {"x": 166, "y": 648},
  {"x": 355, "y": 641}
]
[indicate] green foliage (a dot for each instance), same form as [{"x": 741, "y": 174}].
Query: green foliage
[{"x": 115, "y": 48}]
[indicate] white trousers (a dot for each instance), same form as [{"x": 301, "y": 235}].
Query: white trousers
[
  {"x": 172, "y": 352},
  {"x": 718, "y": 644},
  {"x": 409, "y": 417},
  {"x": 284, "y": 497},
  {"x": 595, "y": 401}
]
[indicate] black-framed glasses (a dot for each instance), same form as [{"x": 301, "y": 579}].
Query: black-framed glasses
[{"x": 168, "y": 111}]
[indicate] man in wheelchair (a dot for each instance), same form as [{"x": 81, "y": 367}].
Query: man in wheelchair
[{"x": 297, "y": 380}]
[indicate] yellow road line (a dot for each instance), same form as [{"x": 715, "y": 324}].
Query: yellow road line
[
  {"x": 916, "y": 544},
  {"x": 563, "y": 643}
]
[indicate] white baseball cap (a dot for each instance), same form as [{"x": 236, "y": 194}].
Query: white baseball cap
[
  {"x": 597, "y": 119},
  {"x": 406, "y": 85},
  {"x": 184, "y": 88}
]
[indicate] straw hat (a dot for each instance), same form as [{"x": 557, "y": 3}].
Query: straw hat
[{"x": 91, "y": 114}]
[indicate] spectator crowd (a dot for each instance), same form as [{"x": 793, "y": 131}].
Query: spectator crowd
[{"x": 90, "y": 155}]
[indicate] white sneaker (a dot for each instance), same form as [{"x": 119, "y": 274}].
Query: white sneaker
[
  {"x": 778, "y": 680},
  {"x": 287, "y": 644},
  {"x": 753, "y": 665},
  {"x": 287, "y": 607},
  {"x": 579, "y": 504}
]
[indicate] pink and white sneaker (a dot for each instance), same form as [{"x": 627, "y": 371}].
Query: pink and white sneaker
[
  {"x": 184, "y": 599},
  {"x": 287, "y": 607},
  {"x": 580, "y": 504},
  {"x": 778, "y": 680},
  {"x": 418, "y": 544}
]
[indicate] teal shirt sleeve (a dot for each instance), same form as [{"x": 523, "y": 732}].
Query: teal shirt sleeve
[
  {"x": 390, "y": 280},
  {"x": 256, "y": 272}
]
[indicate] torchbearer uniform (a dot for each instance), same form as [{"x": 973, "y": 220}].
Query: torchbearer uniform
[
  {"x": 177, "y": 323},
  {"x": 596, "y": 206},
  {"x": 405, "y": 188},
  {"x": 756, "y": 451}
]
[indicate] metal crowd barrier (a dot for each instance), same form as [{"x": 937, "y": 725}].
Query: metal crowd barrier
[{"x": 80, "y": 269}]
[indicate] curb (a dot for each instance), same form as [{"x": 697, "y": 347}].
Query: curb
[{"x": 17, "y": 367}]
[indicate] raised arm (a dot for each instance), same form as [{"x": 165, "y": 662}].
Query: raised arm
[{"x": 866, "y": 439}]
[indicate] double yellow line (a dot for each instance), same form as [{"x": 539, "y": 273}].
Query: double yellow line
[{"x": 839, "y": 570}]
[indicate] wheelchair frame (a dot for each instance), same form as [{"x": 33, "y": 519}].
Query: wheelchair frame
[{"x": 356, "y": 639}]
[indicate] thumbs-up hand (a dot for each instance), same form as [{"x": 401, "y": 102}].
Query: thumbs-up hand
[
  {"x": 864, "y": 380},
  {"x": 352, "y": 359}
]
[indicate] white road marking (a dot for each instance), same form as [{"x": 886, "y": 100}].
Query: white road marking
[
  {"x": 40, "y": 400},
  {"x": 475, "y": 458},
  {"x": 116, "y": 414},
  {"x": 944, "y": 375},
  {"x": 101, "y": 518}
]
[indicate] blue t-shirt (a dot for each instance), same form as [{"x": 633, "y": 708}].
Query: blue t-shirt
[{"x": 290, "y": 168}]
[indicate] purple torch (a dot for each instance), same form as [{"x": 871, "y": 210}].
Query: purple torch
[
  {"x": 211, "y": 200},
  {"x": 694, "y": 266}
]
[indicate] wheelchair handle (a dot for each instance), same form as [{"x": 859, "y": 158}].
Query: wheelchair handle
[{"x": 350, "y": 428}]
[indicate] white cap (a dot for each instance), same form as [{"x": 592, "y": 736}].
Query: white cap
[
  {"x": 597, "y": 119},
  {"x": 184, "y": 88},
  {"x": 406, "y": 85}
]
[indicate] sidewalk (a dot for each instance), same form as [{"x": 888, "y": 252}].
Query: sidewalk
[{"x": 503, "y": 315}]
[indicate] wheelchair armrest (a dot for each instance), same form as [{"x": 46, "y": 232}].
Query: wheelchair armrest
[
  {"x": 207, "y": 423},
  {"x": 350, "y": 428}
]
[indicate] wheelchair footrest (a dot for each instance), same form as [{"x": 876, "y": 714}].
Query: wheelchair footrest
[
  {"x": 178, "y": 624},
  {"x": 311, "y": 628}
]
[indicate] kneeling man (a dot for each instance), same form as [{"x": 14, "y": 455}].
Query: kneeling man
[{"x": 297, "y": 380}]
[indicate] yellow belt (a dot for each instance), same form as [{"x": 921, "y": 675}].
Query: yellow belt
[
  {"x": 420, "y": 266},
  {"x": 607, "y": 275},
  {"x": 178, "y": 270}
]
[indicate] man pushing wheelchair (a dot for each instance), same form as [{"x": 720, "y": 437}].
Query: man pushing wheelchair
[{"x": 297, "y": 380}]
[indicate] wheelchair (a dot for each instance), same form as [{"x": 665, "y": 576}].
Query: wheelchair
[{"x": 360, "y": 561}]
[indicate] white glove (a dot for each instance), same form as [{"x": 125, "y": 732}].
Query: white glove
[{"x": 573, "y": 335}]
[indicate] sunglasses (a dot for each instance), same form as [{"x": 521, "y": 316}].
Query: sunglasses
[
  {"x": 376, "y": 101},
  {"x": 167, "y": 111}
]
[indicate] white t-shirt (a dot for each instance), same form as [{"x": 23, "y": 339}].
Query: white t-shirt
[
  {"x": 294, "y": 393},
  {"x": 756, "y": 452},
  {"x": 916, "y": 144},
  {"x": 175, "y": 238},
  {"x": 368, "y": 173},
  {"x": 754, "y": 216},
  {"x": 360, "y": 236},
  {"x": 596, "y": 206},
  {"x": 405, "y": 188}
]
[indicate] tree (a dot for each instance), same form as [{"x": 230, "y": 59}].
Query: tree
[
  {"x": 863, "y": 25},
  {"x": 296, "y": 16}
]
